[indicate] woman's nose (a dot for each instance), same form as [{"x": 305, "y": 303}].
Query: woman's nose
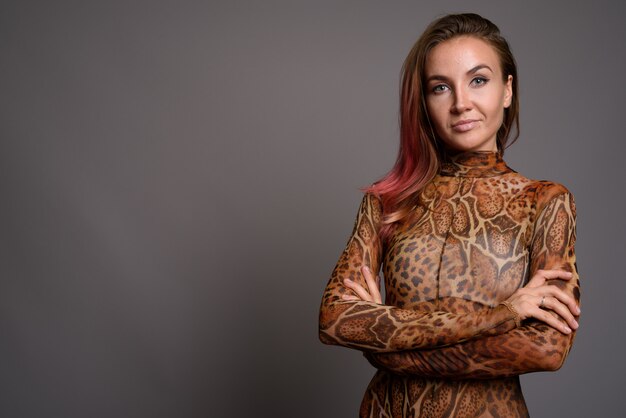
[{"x": 461, "y": 102}]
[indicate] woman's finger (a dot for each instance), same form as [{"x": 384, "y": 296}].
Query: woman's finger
[
  {"x": 551, "y": 320},
  {"x": 563, "y": 298},
  {"x": 549, "y": 302},
  {"x": 541, "y": 276},
  {"x": 358, "y": 289},
  {"x": 374, "y": 289},
  {"x": 556, "y": 274}
]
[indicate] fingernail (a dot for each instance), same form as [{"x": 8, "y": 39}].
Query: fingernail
[
  {"x": 568, "y": 330},
  {"x": 577, "y": 310},
  {"x": 575, "y": 324},
  {"x": 366, "y": 268}
]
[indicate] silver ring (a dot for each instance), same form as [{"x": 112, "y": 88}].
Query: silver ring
[{"x": 541, "y": 304}]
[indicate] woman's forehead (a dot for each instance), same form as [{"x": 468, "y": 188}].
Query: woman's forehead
[{"x": 461, "y": 55}]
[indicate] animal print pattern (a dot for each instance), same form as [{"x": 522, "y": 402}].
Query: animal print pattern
[{"x": 442, "y": 343}]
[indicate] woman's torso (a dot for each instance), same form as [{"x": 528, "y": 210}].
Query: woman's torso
[{"x": 467, "y": 246}]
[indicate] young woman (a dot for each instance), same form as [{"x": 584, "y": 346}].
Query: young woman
[{"x": 479, "y": 267}]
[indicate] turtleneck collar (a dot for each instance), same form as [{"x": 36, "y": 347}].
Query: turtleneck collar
[{"x": 474, "y": 164}]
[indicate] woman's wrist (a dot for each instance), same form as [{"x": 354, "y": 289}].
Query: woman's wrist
[{"x": 516, "y": 317}]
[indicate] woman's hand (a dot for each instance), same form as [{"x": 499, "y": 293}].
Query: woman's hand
[
  {"x": 370, "y": 295},
  {"x": 537, "y": 297}
]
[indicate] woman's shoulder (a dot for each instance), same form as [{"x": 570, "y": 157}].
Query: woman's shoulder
[
  {"x": 543, "y": 192},
  {"x": 548, "y": 190},
  {"x": 372, "y": 205},
  {"x": 372, "y": 198}
]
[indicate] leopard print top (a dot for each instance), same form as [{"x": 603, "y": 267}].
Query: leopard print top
[{"x": 442, "y": 344}]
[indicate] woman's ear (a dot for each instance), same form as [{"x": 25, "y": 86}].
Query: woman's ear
[{"x": 508, "y": 91}]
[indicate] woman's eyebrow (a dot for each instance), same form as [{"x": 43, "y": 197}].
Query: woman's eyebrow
[
  {"x": 437, "y": 77},
  {"x": 470, "y": 71},
  {"x": 479, "y": 67}
]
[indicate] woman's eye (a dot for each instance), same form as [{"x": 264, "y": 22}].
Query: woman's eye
[
  {"x": 479, "y": 81},
  {"x": 440, "y": 88}
]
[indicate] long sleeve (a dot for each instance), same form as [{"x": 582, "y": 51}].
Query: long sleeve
[
  {"x": 534, "y": 346},
  {"x": 380, "y": 328}
]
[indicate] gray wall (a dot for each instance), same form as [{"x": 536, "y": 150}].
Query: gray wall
[{"x": 179, "y": 178}]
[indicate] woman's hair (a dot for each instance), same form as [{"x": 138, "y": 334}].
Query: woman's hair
[{"x": 420, "y": 152}]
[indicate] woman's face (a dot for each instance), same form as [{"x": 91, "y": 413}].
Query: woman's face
[{"x": 465, "y": 93}]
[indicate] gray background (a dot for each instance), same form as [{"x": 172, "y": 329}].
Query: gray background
[{"x": 179, "y": 178}]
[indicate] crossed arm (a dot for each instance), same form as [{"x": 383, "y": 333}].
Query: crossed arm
[
  {"x": 377, "y": 328},
  {"x": 534, "y": 346}
]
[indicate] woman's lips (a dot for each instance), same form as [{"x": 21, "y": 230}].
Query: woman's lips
[{"x": 465, "y": 125}]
